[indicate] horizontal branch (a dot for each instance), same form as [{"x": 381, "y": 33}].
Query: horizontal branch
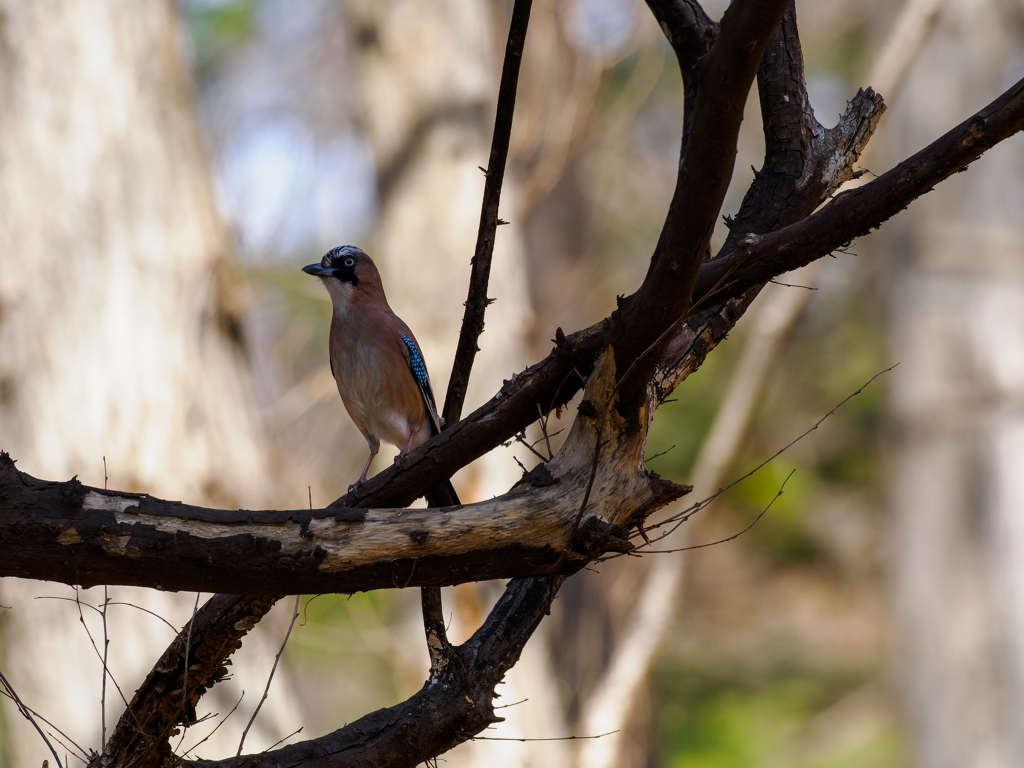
[{"x": 75, "y": 534}]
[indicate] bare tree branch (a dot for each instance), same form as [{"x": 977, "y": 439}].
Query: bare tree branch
[
  {"x": 477, "y": 301},
  {"x": 76, "y": 529},
  {"x": 450, "y": 708},
  {"x": 555, "y": 380},
  {"x": 690, "y": 32},
  {"x": 160, "y": 705},
  {"x": 856, "y": 212},
  {"x": 71, "y": 533},
  {"x": 724, "y": 78}
]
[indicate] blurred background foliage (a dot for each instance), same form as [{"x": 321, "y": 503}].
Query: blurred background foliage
[
  {"x": 873, "y": 613},
  {"x": 780, "y": 654}
]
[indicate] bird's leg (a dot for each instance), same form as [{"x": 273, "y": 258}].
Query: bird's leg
[
  {"x": 401, "y": 454},
  {"x": 362, "y": 478}
]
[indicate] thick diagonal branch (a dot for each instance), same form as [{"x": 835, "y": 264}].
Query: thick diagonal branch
[
  {"x": 450, "y": 708},
  {"x": 724, "y": 77}
]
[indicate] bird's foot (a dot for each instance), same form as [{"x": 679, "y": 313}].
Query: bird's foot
[
  {"x": 355, "y": 487},
  {"x": 400, "y": 460}
]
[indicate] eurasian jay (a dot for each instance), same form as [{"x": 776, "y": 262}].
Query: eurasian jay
[{"x": 377, "y": 364}]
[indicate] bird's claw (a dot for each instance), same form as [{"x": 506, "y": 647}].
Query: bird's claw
[{"x": 354, "y": 488}]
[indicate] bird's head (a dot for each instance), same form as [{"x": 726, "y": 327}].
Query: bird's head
[{"x": 345, "y": 271}]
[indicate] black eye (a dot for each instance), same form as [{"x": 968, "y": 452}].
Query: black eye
[{"x": 349, "y": 262}]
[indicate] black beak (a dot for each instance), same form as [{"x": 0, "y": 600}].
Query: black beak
[{"x": 317, "y": 271}]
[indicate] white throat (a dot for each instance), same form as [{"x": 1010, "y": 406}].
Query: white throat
[{"x": 341, "y": 295}]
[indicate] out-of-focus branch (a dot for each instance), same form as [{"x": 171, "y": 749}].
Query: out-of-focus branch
[
  {"x": 916, "y": 19},
  {"x": 477, "y": 301}
]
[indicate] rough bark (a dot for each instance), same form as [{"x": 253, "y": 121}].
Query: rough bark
[{"x": 71, "y": 533}]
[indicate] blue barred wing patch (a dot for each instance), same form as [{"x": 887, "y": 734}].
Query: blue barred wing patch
[{"x": 416, "y": 364}]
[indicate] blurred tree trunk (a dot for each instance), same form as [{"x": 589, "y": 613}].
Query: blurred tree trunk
[
  {"x": 957, "y": 482},
  {"x": 120, "y": 328}
]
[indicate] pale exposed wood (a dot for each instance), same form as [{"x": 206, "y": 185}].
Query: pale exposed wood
[{"x": 336, "y": 549}]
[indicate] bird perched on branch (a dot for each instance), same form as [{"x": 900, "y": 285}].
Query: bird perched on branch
[{"x": 377, "y": 363}]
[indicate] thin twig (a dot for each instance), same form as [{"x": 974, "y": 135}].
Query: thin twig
[
  {"x": 544, "y": 430},
  {"x": 477, "y": 301},
  {"x": 506, "y": 706},
  {"x": 188, "y": 648},
  {"x": 792, "y": 285},
  {"x": 28, "y": 716},
  {"x": 521, "y": 438},
  {"x": 106, "y": 671},
  {"x": 655, "y": 456},
  {"x": 205, "y": 738},
  {"x": 686, "y": 513},
  {"x": 106, "y": 645},
  {"x": 283, "y": 738},
  {"x": 728, "y": 538},
  {"x": 112, "y": 602},
  {"x": 73, "y": 743},
  {"x": 554, "y": 738},
  {"x": 266, "y": 691}
]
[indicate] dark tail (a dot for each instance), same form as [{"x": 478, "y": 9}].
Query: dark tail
[{"x": 443, "y": 496}]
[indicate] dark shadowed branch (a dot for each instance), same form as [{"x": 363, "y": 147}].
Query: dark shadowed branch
[
  {"x": 449, "y": 709},
  {"x": 160, "y": 705},
  {"x": 856, "y": 212},
  {"x": 724, "y": 77},
  {"x": 690, "y": 31}
]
